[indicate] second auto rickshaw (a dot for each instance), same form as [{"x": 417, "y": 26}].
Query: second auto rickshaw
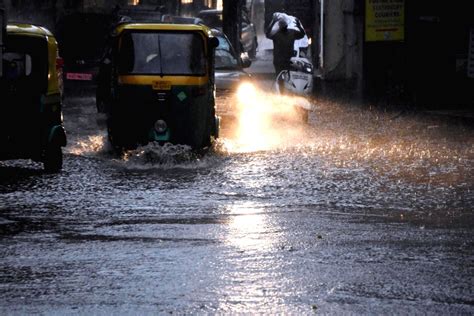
[
  {"x": 157, "y": 84},
  {"x": 31, "y": 118}
]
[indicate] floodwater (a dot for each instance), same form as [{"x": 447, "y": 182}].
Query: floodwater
[{"x": 360, "y": 211}]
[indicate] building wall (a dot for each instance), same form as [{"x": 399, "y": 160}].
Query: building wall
[
  {"x": 334, "y": 41},
  {"x": 428, "y": 67},
  {"x": 342, "y": 58},
  {"x": 35, "y": 12},
  {"x": 437, "y": 47}
]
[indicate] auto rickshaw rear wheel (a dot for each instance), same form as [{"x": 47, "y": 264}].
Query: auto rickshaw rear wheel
[
  {"x": 116, "y": 136},
  {"x": 53, "y": 159},
  {"x": 199, "y": 135},
  {"x": 111, "y": 136}
]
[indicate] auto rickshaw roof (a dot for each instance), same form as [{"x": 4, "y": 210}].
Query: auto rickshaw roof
[
  {"x": 28, "y": 29},
  {"x": 162, "y": 27}
]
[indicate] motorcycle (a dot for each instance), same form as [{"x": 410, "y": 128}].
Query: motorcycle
[{"x": 297, "y": 81}]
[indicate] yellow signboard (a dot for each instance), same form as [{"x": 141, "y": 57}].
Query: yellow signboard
[{"x": 384, "y": 20}]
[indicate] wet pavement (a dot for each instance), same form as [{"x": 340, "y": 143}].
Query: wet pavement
[{"x": 360, "y": 211}]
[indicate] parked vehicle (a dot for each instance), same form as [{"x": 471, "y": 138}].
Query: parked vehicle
[
  {"x": 229, "y": 67},
  {"x": 175, "y": 19},
  {"x": 82, "y": 39},
  {"x": 141, "y": 13},
  {"x": 31, "y": 118},
  {"x": 229, "y": 74},
  {"x": 160, "y": 85},
  {"x": 248, "y": 34}
]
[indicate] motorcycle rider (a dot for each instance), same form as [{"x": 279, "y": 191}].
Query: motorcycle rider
[{"x": 283, "y": 29}]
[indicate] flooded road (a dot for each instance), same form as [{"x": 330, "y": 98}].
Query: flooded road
[{"x": 361, "y": 211}]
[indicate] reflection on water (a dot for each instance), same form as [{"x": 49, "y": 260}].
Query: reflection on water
[
  {"x": 252, "y": 276},
  {"x": 248, "y": 227}
]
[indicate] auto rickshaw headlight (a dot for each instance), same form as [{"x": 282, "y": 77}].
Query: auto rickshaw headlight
[{"x": 160, "y": 126}]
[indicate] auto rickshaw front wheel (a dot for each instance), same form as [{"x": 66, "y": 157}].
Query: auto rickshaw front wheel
[{"x": 53, "y": 159}]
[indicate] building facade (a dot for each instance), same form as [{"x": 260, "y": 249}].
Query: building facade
[{"x": 419, "y": 52}]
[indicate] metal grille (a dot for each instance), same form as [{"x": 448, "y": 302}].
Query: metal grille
[{"x": 470, "y": 57}]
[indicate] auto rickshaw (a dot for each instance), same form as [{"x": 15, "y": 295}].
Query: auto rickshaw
[
  {"x": 157, "y": 84},
  {"x": 31, "y": 118}
]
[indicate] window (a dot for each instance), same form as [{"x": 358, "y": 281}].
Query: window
[
  {"x": 224, "y": 58},
  {"x": 17, "y": 65},
  {"x": 25, "y": 61},
  {"x": 167, "y": 53}
]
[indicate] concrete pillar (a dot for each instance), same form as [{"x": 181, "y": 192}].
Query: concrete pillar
[{"x": 343, "y": 43}]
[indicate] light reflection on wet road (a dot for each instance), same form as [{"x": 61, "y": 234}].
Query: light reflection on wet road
[{"x": 360, "y": 212}]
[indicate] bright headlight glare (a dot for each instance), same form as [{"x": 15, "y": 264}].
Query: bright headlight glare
[{"x": 246, "y": 92}]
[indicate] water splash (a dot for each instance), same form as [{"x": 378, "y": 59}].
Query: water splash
[
  {"x": 167, "y": 156},
  {"x": 89, "y": 145}
]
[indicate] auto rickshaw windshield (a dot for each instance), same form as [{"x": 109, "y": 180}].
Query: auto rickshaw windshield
[{"x": 163, "y": 53}]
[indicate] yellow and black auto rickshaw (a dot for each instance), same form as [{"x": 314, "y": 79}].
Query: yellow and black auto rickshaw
[
  {"x": 157, "y": 84},
  {"x": 31, "y": 118}
]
